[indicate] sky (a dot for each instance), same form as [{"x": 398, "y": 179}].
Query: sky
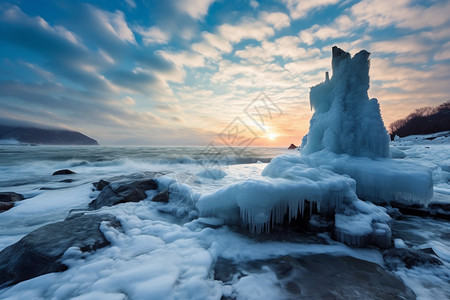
[{"x": 187, "y": 72}]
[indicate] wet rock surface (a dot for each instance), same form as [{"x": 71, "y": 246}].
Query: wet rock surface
[
  {"x": 7, "y": 200},
  {"x": 40, "y": 251},
  {"x": 64, "y": 172},
  {"x": 409, "y": 258},
  {"x": 320, "y": 277},
  {"x": 122, "y": 192},
  {"x": 436, "y": 210},
  {"x": 161, "y": 197},
  {"x": 100, "y": 185},
  {"x": 10, "y": 197}
]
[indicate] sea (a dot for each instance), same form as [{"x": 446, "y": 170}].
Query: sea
[{"x": 27, "y": 169}]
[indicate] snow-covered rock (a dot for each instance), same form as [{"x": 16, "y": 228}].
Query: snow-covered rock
[{"x": 345, "y": 120}]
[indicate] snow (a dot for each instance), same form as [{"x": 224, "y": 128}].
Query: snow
[
  {"x": 155, "y": 258},
  {"x": 259, "y": 286}
]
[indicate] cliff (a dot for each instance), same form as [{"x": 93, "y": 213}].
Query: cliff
[{"x": 33, "y": 135}]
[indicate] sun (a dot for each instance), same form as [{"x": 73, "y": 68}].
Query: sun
[{"x": 272, "y": 136}]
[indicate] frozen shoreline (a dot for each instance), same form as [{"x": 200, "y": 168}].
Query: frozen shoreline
[{"x": 175, "y": 257}]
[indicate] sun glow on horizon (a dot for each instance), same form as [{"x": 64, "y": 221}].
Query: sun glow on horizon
[{"x": 272, "y": 136}]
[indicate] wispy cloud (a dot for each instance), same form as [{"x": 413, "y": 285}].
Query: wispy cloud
[
  {"x": 300, "y": 9},
  {"x": 197, "y": 9},
  {"x": 152, "y": 35}
]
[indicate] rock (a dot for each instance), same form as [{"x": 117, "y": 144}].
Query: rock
[
  {"x": 40, "y": 251},
  {"x": 436, "y": 210},
  {"x": 10, "y": 197},
  {"x": 409, "y": 258},
  {"x": 292, "y": 146},
  {"x": 121, "y": 192},
  {"x": 4, "y": 206},
  {"x": 64, "y": 172},
  {"x": 394, "y": 213},
  {"x": 161, "y": 196},
  {"x": 7, "y": 200},
  {"x": 320, "y": 277},
  {"x": 67, "y": 180},
  {"x": 100, "y": 185}
]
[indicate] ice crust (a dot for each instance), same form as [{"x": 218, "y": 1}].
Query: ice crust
[{"x": 286, "y": 183}]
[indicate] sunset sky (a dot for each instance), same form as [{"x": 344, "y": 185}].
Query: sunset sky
[{"x": 186, "y": 72}]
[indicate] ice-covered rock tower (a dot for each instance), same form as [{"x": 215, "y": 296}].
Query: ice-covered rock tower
[
  {"x": 345, "y": 120},
  {"x": 344, "y": 169}
]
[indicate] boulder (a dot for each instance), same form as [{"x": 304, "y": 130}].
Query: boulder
[
  {"x": 64, "y": 172},
  {"x": 409, "y": 258},
  {"x": 319, "y": 277},
  {"x": 161, "y": 196},
  {"x": 100, "y": 185},
  {"x": 10, "y": 197},
  {"x": 7, "y": 200},
  {"x": 40, "y": 251},
  {"x": 4, "y": 206},
  {"x": 122, "y": 192},
  {"x": 67, "y": 180}
]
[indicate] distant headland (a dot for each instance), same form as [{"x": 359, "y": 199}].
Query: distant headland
[{"x": 41, "y": 136}]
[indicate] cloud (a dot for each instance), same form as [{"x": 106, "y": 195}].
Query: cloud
[
  {"x": 277, "y": 19},
  {"x": 184, "y": 58},
  {"x": 113, "y": 23},
  {"x": 444, "y": 53},
  {"x": 131, "y": 3},
  {"x": 301, "y": 8},
  {"x": 139, "y": 80},
  {"x": 401, "y": 13},
  {"x": 152, "y": 35},
  {"x": 129, "y": 101},
  {"x": 412, "y": 44},
  {"x": 342, "y": 26},
  {"x": 255, "y": 30},
  {"x": 254, "y": 4},
  {"x": 214, "y": 45},
  {"x": 197, "y": 9},
  {"x": 37, "y": 34},
  {"x": 286, "y": 47}
]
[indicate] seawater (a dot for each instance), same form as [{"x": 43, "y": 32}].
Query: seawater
[{"x": 27, "y": 169}]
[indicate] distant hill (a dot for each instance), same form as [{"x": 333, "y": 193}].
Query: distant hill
[
  {"x": 425, "y": 120},
  {"x": 33, "y": 135}
]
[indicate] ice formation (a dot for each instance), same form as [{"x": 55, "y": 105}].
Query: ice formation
[
  {"x": 345, "y": 120},
  {"x": 345, "y": 158},
  {"x": 347, "y": 134},
  {"x": 262, "y": 203}
]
